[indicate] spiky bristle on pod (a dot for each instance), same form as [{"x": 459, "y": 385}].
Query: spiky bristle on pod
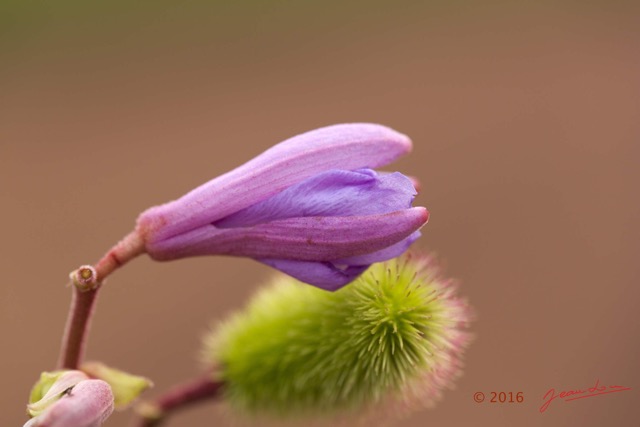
[{"x": 396, "y": 333}]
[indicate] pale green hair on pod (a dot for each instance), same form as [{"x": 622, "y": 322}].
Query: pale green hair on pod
[{"x": 397, "y": 331}]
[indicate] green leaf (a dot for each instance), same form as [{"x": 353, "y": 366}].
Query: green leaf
[{"x": 125, "y": 387}]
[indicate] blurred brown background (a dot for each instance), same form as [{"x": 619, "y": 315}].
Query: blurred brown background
[{"x": 526, "y": 132}]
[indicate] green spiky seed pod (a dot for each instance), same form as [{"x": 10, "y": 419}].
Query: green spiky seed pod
[{"x": 396, "y": 332}]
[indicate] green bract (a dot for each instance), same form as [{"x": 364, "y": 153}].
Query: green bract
[
  {"x": 298, "y": 350},
  {"x": 126, "y": 387}
]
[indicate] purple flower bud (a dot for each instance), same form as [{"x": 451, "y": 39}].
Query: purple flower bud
[
  {"x": 87, "y": 404},
  {"x": 307, "y": 207}
]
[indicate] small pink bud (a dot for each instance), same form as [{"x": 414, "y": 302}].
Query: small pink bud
[{"x": 87, "y": 404}]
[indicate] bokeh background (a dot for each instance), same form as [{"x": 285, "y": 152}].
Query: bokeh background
[{"x": 525, "y": 119}]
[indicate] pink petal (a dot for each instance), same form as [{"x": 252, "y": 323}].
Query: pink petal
[
  {"x": 302, "y": 239},
  {"x": 88, "y": 404},
  {"x": 345, "y": 146}
]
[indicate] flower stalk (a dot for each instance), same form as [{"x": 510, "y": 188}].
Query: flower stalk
[
  {"x": 77, "y": 328},
  {"x": 124, "y": 251},
  {"x": 86, "y": 282},
  {"x": 203, "y": 388}
]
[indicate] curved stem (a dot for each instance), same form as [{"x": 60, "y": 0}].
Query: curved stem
[
  {"x": 125, "y": 250},
  {"x": 152, "y": 414},
  {"x": 83, "y": 300}
]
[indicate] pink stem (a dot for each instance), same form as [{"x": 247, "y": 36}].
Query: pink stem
[
  {"x": 125, "y": 250},
  {"x": 77, "y": 328},
  {"x": 198, "y": 390},
  {"x": 83, "y": 301}
]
